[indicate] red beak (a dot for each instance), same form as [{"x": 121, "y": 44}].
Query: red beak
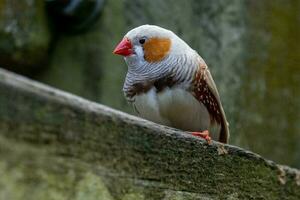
[{"x": 124, "y": 48}]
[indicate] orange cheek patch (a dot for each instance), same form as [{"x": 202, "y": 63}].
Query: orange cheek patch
[{"x": 155, "y": 49}]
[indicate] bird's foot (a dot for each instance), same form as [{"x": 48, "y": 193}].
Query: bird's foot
[{"x": 204, "y": 135}]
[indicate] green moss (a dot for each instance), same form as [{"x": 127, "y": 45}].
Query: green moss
[
  {"x": 16, "y": 183},
  {"x": 26, "y": 174},
  {"x": 9, "y": 183},
  {"x": 181, "y": 195},
  {"x": 91, "y": 187},
  {"x": 133, "y": 196}
]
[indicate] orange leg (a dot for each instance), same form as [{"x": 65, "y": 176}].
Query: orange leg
[{"x": 204, "y": 135}]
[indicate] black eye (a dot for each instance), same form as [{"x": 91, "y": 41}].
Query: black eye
[{"x": 142, "y": 41}]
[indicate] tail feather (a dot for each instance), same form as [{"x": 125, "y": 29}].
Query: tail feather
[{"x": 224, "y": 132}]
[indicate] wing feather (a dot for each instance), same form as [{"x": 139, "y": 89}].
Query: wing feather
[{"x": 206, "y": 92}]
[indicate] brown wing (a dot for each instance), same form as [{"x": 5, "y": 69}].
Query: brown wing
[{"x": 205, "y": 91}]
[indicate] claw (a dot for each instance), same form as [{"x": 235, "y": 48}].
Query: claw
[{"x": 204, "y": 135}]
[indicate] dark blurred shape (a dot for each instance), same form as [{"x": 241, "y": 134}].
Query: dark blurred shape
[{"x": 73, "y": 16}]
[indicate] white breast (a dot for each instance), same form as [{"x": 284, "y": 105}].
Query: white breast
[
  {"x": 173, "y": 107},
  {"x": 147, "y": 106}
]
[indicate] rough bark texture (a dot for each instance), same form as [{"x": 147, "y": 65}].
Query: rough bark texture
[{"x": 54, "y": 145}]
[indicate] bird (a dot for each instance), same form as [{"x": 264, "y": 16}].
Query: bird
[{"x": 169, "y": 83}]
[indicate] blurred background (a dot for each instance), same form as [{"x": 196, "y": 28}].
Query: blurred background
[{"x": 251, "y": 47}]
